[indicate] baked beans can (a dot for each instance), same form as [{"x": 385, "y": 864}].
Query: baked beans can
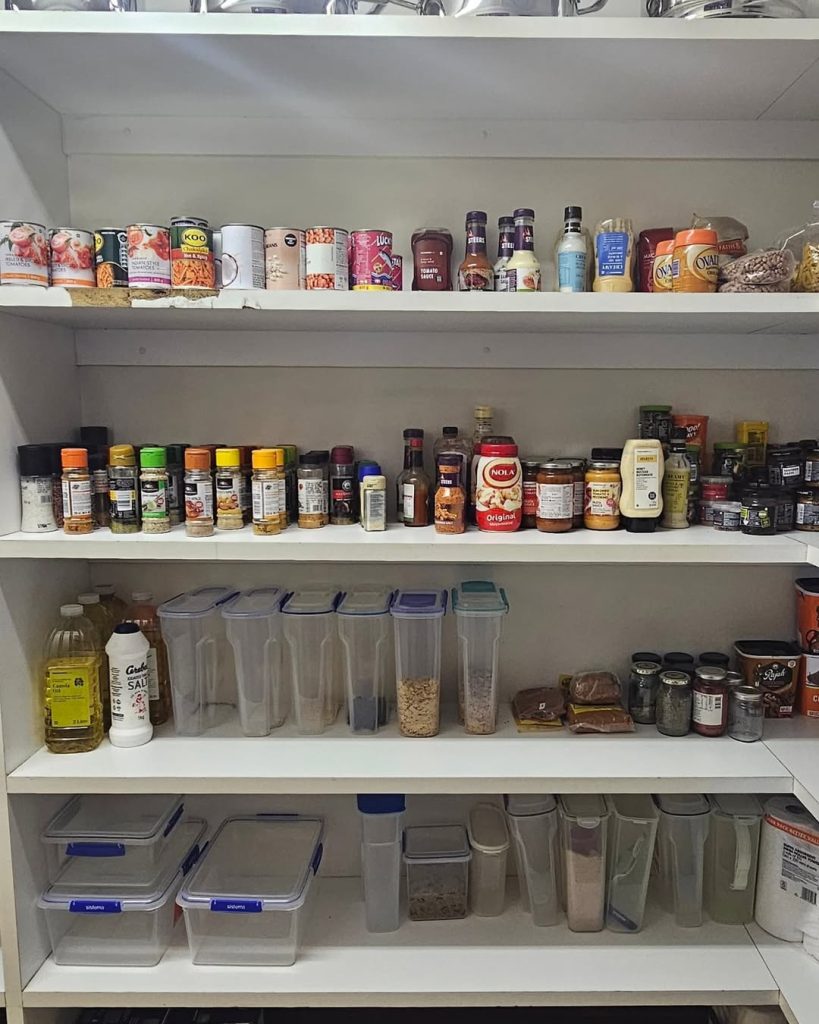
[
  {"x": 149, "y": 256},
  {"x": 371, "y": 260},
  {"x": 192, "y": 263},
  {"x": 326, "y": 258},
  {"x": 243, "y": 256},
  {"x": 397, "y": 274},
  {"x": 23, "y": 253},
  {"x": 72, "y": 258},
  {"x": 111, "y": 257},
  {"x": 284, "y": 259}
]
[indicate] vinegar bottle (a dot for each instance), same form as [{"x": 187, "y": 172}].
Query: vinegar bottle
[
  {"x": 142, "y": 613},
  {"x": 72, "y": 707}
]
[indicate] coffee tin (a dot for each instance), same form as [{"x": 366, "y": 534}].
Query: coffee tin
[
  {"x": 326, "y": 258},
  {"x": 370, "y": 260},
  {"x": 23, "y": 253},
  {"x": 242, "y": 256},
  {"x": 284, "y": 259},
  {"x": 192, "y": 264},
  {"x": 72, "y": 258},
  {"x": 111, "y": 257},
  {"x": 149, "y": 256}
]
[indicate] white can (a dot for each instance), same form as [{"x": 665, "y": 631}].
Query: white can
[
  {"x": 327, "y": 258},
  {"x": 242, "y": 256},
  {"x": 23, "y": 253},
  {"x": 217, "y": 257},
  {"x": 284, "y": 259},
  {"x": 128, "y": 673},
  {"x": 72, "y": 258}
]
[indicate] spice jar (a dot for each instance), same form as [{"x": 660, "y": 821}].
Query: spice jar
[
  {"x": 785, "y": 464},
  {"x": 76, "y": 480},
  {"x": 432, "y": 257},
  {"x": 450, "y": 497},
  {"x": 229, "y": 489},
  {"x": 266, "y": 490},
  {"x": 555, "y": 497},
  {"x": 644, "y": 683},
  {"x": 529, "y": 468},
  {"x": 98, "y": 464},
  {"x": 343, "y": 504},
  {"x": 36, "y": 489},
  {"x": 123, "y": 507},
  {"x": 673, "y": 709},
  {"x": 153, "y": 490},
  {"x": 757, "y": 514},
  {"x": 175, "y": 454},
  {"x": 198, "y": 493},
  {"x": 746, "y": 715},
  {"x": 709, "y": 713},
  {"x": 313, "y": 491},
  {"x": 807, "y": 509},
  {"x": 601, "y": 508}
]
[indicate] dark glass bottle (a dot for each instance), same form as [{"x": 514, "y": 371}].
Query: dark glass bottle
[
  {"x": 414, "y": 485},
  {"x": 475, "y": 274}
]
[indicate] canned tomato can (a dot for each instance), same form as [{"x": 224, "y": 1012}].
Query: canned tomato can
[
  {"x": 192, "y": 264},
  {"x": 284, "y": 259},
  {"x": 72, "y": 258},
  {"x": 370, "y": 260},
  {"x": 397, "y": 275},
  {"x": 326, "y": 258},
  {"x": 23, "y": 253},
  {"x": 111, "y": 257},
  {"x": 149, "y": 256},
  {"x": 243, "y": 256}
]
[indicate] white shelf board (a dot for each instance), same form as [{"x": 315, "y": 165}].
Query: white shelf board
[
  {"x": 699, "y": 545},
  {"x": 795, "y": 741},
  {"x": 795, "y": 972},
  {"x": 500, "y": 961},
  {"x": 224, "y": 761}
]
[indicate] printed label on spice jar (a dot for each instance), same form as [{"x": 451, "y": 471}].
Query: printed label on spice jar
[
  {"x": 76, "y": 498},
  {"x": 266, "y": 494},
  {"x": 122, "y": 497},
  {"x": 154, "y": 499},
  {"x": 229, "y": 492},
  {"x": 555, "y": 501},
  {"x": 708, "y": 708},
  {"x": 198, "y": 499},
  {"x": 498, "y": 493},
  {"x": 612, "y": 253},
  {"x": 313, "y": 497},
  {"x": 807, "y": 514},
  {"x": 603, "y": 499}
]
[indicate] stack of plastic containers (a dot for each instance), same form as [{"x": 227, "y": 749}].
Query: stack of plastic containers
[
  {"x": 253, "y": 624},
  {"x": 731, "y": 856},
  {"x": 309, "y": 620},
  {"x": 583, "y": 830},
  {"x": 115, "y": 867},
  {"x": 533, "y": 826},
  {"x": 632, "y": 834},
  {"x": 479, "y": 608},
  {"x": 248, "y": 902},
  {"x": 365, "y": 631},
  {"x": 684, "y": 822},
  {"x": 418, "y": 616},
  {"x": 381, "y": 828},
  {"x": 489, "y": 841},
  {"x": 203, "y": 684}
]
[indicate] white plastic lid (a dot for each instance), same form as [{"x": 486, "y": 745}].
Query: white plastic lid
[
  {"x": 259, "y": 603},
  {"x": 364, "y": 600},
  {"x": 71, "y": 611},
  {"x": 487, "y": 829},
  {"x": 141, "y": 596},
  {"x": 683, "y": 803},
  {"x": 526, "y": 804},
  {"x": 311, "y": 601},
  {"x": 736, "y": 805},
  {"x": 255, "y": 864},
  {"x": 195, "y": 603},
  {"x": 479, "y": 597},
  {"x": 106, "y": 821},
  {"x": 436, "y": 842},
  {"x": 586, "y": 809},
  {"x": 88, "y": 599}
]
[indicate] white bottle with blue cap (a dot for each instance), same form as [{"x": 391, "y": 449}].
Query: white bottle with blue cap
[{"x": 127, "y": 652}]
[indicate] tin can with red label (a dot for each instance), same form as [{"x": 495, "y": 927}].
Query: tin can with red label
[
  {"x": 326, "y": 258},
  {"x": 371, "y": 260},
  {"x": 498, "y": 488},
  {"x": 23, "y": 253},
  {"x": 72, "y": 258},
  {"x": 243, "y": 263},
  {"x": 397, "y": 274},
  {"x": 192, "y": 261},
  {"x": 149, "y": 256},
  {"x": 284, "y": 259},
  {"x": 111, "y": 257}
]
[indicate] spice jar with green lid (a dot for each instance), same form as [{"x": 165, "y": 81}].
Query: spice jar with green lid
[
  {"x": 229, "y": 487},
  {"x": 123, "y": 504},
  {"x": 153, "y": 490}
]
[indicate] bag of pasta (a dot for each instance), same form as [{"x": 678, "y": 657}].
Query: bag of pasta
[{"x": 803, "y": 243}]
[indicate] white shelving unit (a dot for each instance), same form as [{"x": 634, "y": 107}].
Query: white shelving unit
[{"x": 112, "y": 119}]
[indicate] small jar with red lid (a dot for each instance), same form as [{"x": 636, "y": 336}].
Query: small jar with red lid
[
  {"x": 715, "y": 488},
  {"x": 709, "y": 714},
  {"x": 498, "y": 486}
]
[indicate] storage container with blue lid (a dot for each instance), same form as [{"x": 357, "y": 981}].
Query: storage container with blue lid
[
  {"x": 418, "y": 616},
  {"x": 254, "y": 631},
  {"x": 479, "y": 608},
  {"x": 310, "y": 635},
  {"x": 367, "y": 662}
]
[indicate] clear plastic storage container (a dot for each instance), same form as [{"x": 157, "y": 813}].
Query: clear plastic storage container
[
  {"x": 437, "y": 859},
  {"x": 583, "y": 830},
  {"x": 631, "y": 838},
  {"x": 479, "y": 608},
  {"x": 248, "y": 901},
  {"x": 418, "y": 616},
  {"x": 731, "y": 855},
  {"x": 101, "y": 919},
  {"x": 203, "y": 683},
  {"x": 365, "y": 630},
  {"x": 489, "y": 842},
  {"x": 382, "y": 820},
  {"x": 130, "y": 835},
  {"x": 533, "y": 826},
  {"x": 684, "y": 821},
  {"x": 254, "y": 630},
  {"x": 310, "y": 645}
]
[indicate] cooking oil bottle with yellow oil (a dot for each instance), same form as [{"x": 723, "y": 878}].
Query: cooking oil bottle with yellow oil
[{"x": 71, "y": 704}]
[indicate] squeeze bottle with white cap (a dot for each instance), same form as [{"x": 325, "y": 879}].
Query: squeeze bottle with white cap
[{"x": 127, "y": 652}]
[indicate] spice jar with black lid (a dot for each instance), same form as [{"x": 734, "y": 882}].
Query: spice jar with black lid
[
  {"x": 646, "y": 656},
  {"x": 709, "y": 714},
  {"x": 673, "y": 708},
  {"x": 786, "y": 465}
]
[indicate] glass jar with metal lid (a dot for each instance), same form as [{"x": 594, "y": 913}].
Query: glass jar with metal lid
[
  {"x": 724, "y": 9},
  {"x": 555, "y": 497},
  {"x": 673, "y": 708},
  {"x": 709, "y": 712},
  {"x": 786, "y": 465},
  {"x": 601, "y": 507},
  {"x": 644, "y": 682},
  {"x": 746, "y": 716},
  {"x": 578, "y": 467},
  {"x": 807, "y": 509},
  {"x": 530, "y": 466}
]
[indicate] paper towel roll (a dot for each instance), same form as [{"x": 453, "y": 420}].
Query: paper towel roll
[{"x": 787, "y": 891}]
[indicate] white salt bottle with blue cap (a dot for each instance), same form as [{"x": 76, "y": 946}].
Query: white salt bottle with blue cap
[{"x": 127, "y": 652}]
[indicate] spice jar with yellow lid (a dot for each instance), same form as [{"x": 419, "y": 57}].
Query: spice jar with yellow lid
[
  {"x": 601, "y": 510},
  {"x": 123, "y": 493},
  {"x": 268, "y": 473},
  {"x": 229, "y": 485}
]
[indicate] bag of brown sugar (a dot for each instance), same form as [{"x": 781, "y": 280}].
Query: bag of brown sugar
[
  {"x": 583, "y": 718},
  {"x": 594, "y": 688}
]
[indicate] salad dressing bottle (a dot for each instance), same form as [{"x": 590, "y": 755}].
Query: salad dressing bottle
[
  {"x": 641, "y": 500},
  {"x": 676, "y": 482},
  {"x": 523, "y": 269}
]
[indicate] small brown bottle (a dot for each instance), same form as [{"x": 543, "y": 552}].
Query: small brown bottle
[{"x": 414, "y": 485}]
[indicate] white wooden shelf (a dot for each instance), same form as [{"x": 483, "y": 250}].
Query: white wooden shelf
[
  {"x": 795, "y": 742},
  {"x": 795, "y": 972},
  {"x": 698, "y": 545},
  {"x": 224, "y": 761},
  {"x": 501, "y": 961}
]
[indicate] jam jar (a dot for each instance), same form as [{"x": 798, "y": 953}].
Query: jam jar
[
  {"x": 786, "y": 465},
  {"x": 555, "y": 497},
  {"x": 530, "y": 466},
  {"x": 709, "y": 715},
  {"x": 807, "y": 509}
]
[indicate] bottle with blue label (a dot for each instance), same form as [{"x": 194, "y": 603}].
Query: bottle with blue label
[{"x": 571, "y": 253}]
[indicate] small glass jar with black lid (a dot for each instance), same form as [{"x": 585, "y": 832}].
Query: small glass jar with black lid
[
  {"x": 757, "y": 515},
  {"x": 529, "y": 470},
  {"x": 716, "y": 659},
  {"x": 709, "y": 712},
  {"x": 673, "y": 709},
  {"x": 679, "y": 661},
  {"x": 786, "y": 465},
  {"x": 746, "y": 714},
  {"x": 644, "y": 683}
]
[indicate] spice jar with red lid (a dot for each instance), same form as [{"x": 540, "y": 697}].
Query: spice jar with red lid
[
  {"x": 709, "y": 716},
  {"x": 498, "y": 486}
]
